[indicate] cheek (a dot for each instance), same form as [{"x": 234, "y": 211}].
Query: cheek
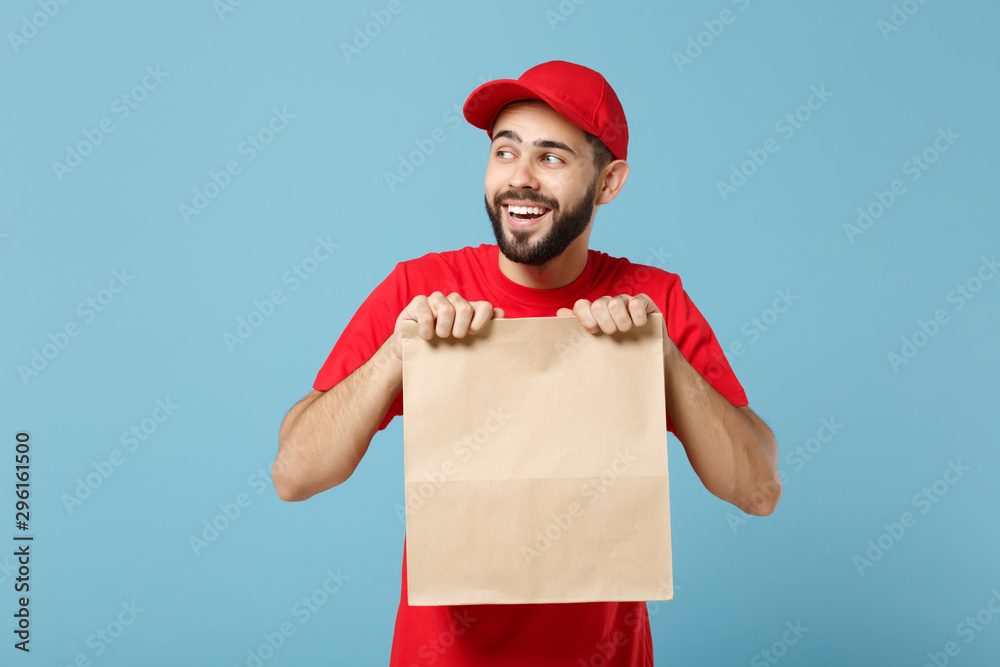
[
  {"x": 494, "y": 179},
  {"x": 564, "y": 187}
]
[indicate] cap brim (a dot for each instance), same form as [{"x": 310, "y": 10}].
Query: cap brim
[{"x": 486, "y": 101}]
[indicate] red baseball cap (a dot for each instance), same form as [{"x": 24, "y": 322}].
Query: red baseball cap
[{"x": 577, "y": 93}]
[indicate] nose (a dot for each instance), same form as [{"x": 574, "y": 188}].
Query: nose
[{"x": 523, "y": 176}]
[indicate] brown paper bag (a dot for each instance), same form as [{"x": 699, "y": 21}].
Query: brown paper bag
[{"x": 535, "y": 458}]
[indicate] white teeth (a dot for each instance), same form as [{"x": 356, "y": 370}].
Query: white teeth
[{"x": 525, "y": 210}]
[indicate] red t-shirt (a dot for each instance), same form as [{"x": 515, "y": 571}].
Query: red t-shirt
[{"x": 611, "y": 634}]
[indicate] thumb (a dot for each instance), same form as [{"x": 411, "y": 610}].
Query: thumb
[
  {"x": 498, "y": 313},
  {"x": 564, "y": 312}
]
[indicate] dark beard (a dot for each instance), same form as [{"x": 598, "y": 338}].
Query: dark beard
[{"x": 566, "y": 227}]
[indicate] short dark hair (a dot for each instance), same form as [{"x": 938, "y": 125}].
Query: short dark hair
[{"x": 602, "y": 154}]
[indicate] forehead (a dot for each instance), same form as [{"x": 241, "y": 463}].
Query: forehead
[{"x": 534, "y": 119}]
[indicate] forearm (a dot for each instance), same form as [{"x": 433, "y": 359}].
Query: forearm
[
  {"x": 323, "y": 438},
  {"x": 731, "y": 449}
]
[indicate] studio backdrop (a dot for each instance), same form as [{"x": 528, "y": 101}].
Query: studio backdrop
[{"x": 197, "y": 196}]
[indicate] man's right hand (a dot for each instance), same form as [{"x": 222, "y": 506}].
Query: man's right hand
[
  {"x": 443, "y": 316},
  {"x": 325, "y": 435}
]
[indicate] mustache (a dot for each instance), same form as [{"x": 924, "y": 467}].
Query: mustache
[{"x": 525, "y": 195}]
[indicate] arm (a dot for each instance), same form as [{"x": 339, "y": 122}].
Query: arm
[
  {"x": 325, "y": 435},
  {"x": 730, "y": 448}
]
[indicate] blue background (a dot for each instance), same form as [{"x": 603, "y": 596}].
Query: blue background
[{"x": 356, "y": 114}]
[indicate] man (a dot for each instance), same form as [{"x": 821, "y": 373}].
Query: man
[{"x": 559, "y": 141}]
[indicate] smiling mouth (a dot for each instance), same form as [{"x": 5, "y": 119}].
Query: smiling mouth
[
  {"x": 526, "y": 212},
  {"x": 525, "y": 216}
]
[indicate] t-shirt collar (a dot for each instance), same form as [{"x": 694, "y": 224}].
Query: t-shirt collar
[{"x": 529, "y": 296}]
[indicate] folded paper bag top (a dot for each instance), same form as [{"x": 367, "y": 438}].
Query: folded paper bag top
[{"x": 535, "y": 462}]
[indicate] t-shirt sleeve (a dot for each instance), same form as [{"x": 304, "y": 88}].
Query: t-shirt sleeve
[
  {"x": 692, "y": 335},
  {"x": 370, "y": 327}
]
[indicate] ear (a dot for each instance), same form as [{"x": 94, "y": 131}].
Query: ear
[{"x": 613, "y": 178}]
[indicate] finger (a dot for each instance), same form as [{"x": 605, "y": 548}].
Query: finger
[
  {"x": 564, "y": 312},
  {"x": 483, "y": 311},
  {"x": 583, "y": 310},
  {"x": 498, "y": 314},
  {"x": 637, "y": 309},
  {"x": 464, "y": 312},
  {"x": 651, "y": 306},
  {"x": 605, "y": 322},
  {"x": 423, "y": 314},
  {"x": 618, "y": 310},
  {"x": 444, "y": 314}
]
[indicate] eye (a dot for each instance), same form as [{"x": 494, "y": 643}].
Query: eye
[
  {"x": 503, "y": 154},
  {"x": 552, "y": 159}
]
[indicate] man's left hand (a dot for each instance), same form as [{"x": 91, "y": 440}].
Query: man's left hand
[{"x": 612, "y": 313}]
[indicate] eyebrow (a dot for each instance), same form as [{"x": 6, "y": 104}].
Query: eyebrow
[{"x": 540, "y": 143}]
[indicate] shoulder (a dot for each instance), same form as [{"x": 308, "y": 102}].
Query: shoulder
[
  {"x": 630, "y": 277},
  {"x": 447, "y": 271}
]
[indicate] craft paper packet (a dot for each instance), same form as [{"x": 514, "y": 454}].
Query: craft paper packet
[{"x": 535, "y": 461}]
